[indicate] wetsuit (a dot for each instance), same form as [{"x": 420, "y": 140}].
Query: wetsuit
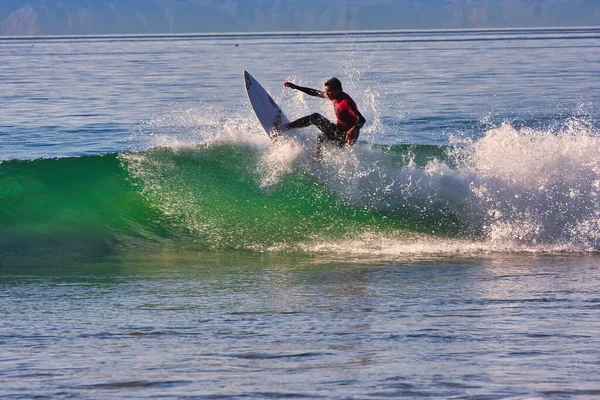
[{"x": 346, "y": 112}]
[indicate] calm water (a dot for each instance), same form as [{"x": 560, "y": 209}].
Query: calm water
[{"x": 154, "y": 244}]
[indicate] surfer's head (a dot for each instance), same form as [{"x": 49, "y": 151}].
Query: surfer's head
[{"x": 333, "y": 88}]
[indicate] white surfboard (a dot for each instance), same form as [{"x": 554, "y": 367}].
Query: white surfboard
[{"x": 267, "y": 111}]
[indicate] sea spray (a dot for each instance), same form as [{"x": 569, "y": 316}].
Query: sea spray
[
  {"x": 431, "y": 194},
  {"x": 537, "y": 186}
]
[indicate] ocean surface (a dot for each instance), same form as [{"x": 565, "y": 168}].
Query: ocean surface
[{"x": 154, "y": 243}]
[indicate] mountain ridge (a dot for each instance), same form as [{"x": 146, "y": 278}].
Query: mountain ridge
[{"x": 86, "y": 17}]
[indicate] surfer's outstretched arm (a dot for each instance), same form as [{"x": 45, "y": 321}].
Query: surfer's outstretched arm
[{"x": 308, "y": 91}]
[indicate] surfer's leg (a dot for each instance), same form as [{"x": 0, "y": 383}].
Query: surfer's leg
[
  {"x": 315, "y": 119},
  {"x": 329, "y": 130},
  {"x": 336, "y": 136}
]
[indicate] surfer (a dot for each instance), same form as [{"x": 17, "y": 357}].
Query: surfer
[{"x": 349, "y": 120}]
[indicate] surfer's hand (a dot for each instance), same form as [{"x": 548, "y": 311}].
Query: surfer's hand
[
  {"x": 352, "y": 135},
  {"x": 290, "y": 85}
]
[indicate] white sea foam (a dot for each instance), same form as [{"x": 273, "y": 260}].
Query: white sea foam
[
  {"x": 537, "y": 186},
  {"x": 380, "y": 245},
  {"x": 516, "y": 189}
]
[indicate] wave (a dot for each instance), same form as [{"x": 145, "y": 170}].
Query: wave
[{"x": 511, "y": 190}]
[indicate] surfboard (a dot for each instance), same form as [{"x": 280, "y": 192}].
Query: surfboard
[{"x": 267, "y": 111}]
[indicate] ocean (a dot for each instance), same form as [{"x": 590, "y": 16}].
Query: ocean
[{"x": 154, "y": 243}]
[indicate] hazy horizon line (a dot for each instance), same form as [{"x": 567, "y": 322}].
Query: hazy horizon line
[{"x": 294, "y": 33}]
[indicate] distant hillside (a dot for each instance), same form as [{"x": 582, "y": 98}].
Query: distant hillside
[{"x": 76, "y": 17}]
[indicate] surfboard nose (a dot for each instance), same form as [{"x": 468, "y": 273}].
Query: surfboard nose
[{"x": 266, "y": 109}]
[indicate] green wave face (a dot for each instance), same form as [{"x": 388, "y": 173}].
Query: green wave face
[
  {"x": 215, "y": 196},
  {"x": 81, "y": 205},
  {"x": 210, "y": 197}
]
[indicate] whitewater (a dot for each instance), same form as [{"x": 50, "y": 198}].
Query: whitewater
[{"x": 154, "y": 242}]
